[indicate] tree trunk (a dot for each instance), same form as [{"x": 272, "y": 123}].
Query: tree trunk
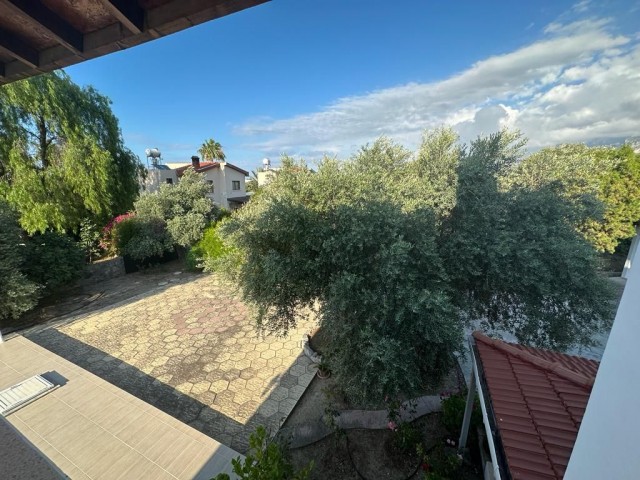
[{"x": 42, "y": 138}]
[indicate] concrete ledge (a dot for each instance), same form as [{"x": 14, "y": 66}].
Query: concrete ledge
[{"x": 311, "y": 432}]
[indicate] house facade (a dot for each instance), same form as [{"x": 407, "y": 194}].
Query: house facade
[{"x": 226, "y": 181}]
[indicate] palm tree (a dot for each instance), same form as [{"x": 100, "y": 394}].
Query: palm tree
[{"x": 211, "y": 150}]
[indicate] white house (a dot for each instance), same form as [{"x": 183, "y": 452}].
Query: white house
[
  {"x": 158, "y": 175},
  {"x": 226, "y": 181}
]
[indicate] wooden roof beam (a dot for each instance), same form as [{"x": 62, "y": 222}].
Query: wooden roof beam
[
  {"x": 15, "y": 47},
  {"x": 58, "y": 28},
  {"x": 128, "y": 12}
]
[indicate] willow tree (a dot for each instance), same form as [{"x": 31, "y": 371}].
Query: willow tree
[
  {"x": 62, "y": 156},
  {"x": 211, "y": 150}
]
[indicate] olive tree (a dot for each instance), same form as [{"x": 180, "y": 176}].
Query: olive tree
[
  {"x": 184, "y": 208},
  {"x": 397, "y": 250}
]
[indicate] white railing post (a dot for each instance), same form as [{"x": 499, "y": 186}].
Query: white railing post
[{"x": 466, "y": 422}]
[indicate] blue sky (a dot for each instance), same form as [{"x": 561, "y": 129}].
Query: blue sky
[{"x": 314, "y": 77}]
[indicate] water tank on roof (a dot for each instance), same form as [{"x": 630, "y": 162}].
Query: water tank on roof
[{"x": 152, "y": 152}]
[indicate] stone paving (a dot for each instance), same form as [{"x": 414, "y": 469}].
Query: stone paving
[{"x": 189, "y": 348}]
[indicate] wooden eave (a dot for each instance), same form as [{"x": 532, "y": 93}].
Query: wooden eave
[{"x": 38, "y": 36}]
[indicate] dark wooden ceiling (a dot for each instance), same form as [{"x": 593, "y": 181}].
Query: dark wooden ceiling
[{"x": 38, "y": 36}]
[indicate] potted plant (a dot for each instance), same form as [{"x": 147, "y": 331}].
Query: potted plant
[{"x": 323, "y": 370}]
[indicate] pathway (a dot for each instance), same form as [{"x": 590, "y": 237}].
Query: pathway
[{"x": 188, "y": 347}]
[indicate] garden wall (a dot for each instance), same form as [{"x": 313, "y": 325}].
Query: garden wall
[{"x": 105, "y": 269}]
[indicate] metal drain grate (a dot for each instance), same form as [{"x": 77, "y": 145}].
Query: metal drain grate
[{"x": 17, "y": 396}]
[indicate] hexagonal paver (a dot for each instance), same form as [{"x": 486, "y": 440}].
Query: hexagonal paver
[
  {"x": 184, "y": 387},
  {"x": 191, "y": 350},
  {"x": 237, "y": 385},
  {"x": 274, "y": 362},
  {"x": 268, "y": 408},
  {"x": 201, "y": 387},
  {"x": 279, "y": 393},
  {"x": 219, "y": 386},
  {"x": 267, "y": 354}
]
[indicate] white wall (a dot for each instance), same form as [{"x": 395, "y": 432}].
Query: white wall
[
  {"x": 155, "y": 178},
  {"x": 607, "y": 444},
  {"x": 231, "y": 174},
  {"x": 633, "y": 254},
  {"x": 222, "y": 184}
]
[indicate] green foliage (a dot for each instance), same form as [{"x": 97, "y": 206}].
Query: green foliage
[
  {"x": 395, "y": 251},
  {"x": 440, "y": 464},
  {"x": 603, "y": 182},
  {"x": 141, "y": 238},
  {"x": 17, "y": 293},
  {"x": 211, "y": 150},
  {"x": 183, "y": 207},
  {"x": 62, "y": 157},
  {"x": 209, "y": 249},
  {"x": 453, "y": 408},
  {"x": 435, "y": 171},
  {"x": 373, "y": 267},
  {"x": 266, "y": 460},
  {"x": 406, "y": 437},
  {"x": 89, "y": 239},
  {"x": 515, "y": 258},
  {"x": 53, "y": 260}
]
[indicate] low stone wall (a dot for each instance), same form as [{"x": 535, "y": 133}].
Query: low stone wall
[{"x": 105, "y": 269}]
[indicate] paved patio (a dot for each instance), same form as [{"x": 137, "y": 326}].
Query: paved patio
[
  {"x": 90, "y": 429},
  {"x": 187, "y": 346}
]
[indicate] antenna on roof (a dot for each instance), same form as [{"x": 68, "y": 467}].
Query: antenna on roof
[{"x": 266, "y": 163}]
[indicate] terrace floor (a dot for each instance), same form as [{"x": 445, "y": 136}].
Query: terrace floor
[
  {"x": 90, "y": 429},
  {"x": 184, "y": 343}
]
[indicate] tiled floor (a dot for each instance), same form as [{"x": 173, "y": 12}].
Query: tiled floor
[
  {"x": 190, "y": 349},
  {"x": 91, "y": 429}
]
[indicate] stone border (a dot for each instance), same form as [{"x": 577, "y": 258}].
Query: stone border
[
  {"x": 307, "y": 433},
  {"x": 308, "y": 351}
]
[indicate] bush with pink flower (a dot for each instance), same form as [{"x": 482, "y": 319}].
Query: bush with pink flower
[{"x": 108, "y": 237}]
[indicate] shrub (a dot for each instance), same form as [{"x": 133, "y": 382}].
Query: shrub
[
  {"x": 107, "y": 238},
  {"x": 207, "y": 251},
  {"x": 89, "y": 239},
  {"x": 141, "y": 238},
  {"x": 17, "y": 293},
  {"x": 183, "y": 207},
  {"x": 453, "y": 408},
  {"x": 441, "y": 464},
  {"x": 53, "y": 260},
  {"x": 266, "y": 460}
]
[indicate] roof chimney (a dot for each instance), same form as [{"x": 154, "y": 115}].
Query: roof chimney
[{"x": 195, "y": 162}]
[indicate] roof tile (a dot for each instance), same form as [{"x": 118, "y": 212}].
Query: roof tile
[{"x": 538, "y": 398}]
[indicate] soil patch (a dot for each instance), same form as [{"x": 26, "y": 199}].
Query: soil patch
[{"x": 371, "y": 452}]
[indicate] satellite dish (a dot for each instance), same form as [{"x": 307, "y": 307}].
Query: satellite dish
[{"x": 266, "y": 162}]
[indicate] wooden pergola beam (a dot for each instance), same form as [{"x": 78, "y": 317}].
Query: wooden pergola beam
[
  {"x": 128, "y": 12},
  {"x": 15, "y": 47},
  {"x": 57, "y": 27}
]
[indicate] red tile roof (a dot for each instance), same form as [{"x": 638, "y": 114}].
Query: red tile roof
[
  {"x": 538, "y": 399},
  {"x": 204, "y": 166}
]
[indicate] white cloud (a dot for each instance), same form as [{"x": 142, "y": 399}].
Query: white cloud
[{"x": 578, "y": 83}]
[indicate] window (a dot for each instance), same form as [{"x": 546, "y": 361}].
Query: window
[
  {"x": 210, "y": 183},
  {"x": 169, "y": 181},
  {"x": 235, "y": 184}
]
